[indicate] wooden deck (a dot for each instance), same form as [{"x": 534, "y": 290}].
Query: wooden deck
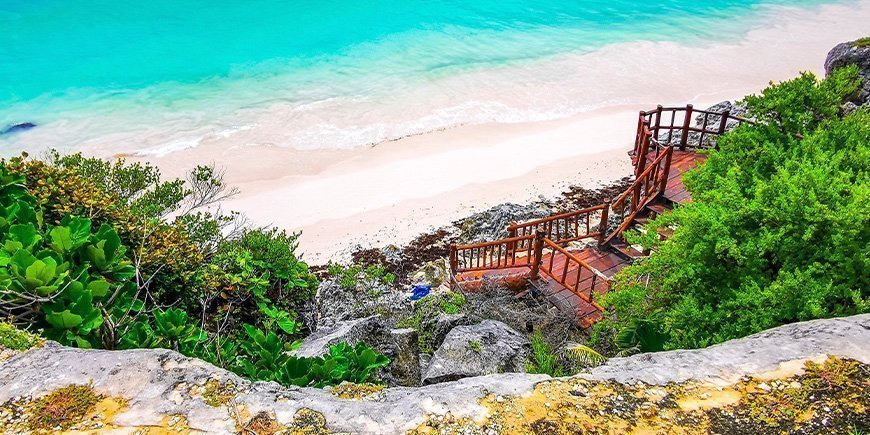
[{"x": 681, "y": 162}]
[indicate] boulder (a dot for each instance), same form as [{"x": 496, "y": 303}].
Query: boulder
[
  {"x": 433, "y": 273},
  {"x": 335, "y": 303},
  {"x": 852, "y": 53},
  {"x": 399, "y": 345},
  {"x": 444, "y": 323},
  {"x": 474, "y": 350}
]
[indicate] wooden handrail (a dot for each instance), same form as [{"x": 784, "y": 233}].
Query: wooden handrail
[
  {"x": 497, "y": 254},
  {"x": 652, "y": 124},
  {"x": 647, "y": 187},
  {"x": 564, "y": 279},
  {"x": 564, "y": 227}
]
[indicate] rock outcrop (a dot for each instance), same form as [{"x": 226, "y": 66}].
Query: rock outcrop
[
  {"x": 852, "y": 53},
  {"x": 158, "y": 387},
  {"x": 475, "y": 350},
  {"x": 334, "y": 303}
]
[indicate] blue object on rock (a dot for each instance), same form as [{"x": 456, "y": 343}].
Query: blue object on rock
[{"x": 420, "y": 291}]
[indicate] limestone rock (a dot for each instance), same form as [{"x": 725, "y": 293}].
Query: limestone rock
[
  {"x": 486, "y": 348},
  {"x": 847, "y": 53},
  {"x": 149, "y": 378},
  {"x": 399, "y": 345},
  {"x": 444, "y": 323},
  {"x": 334, "y": 303}
]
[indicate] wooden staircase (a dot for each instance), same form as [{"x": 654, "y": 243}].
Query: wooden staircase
[{"x": 571, "y": 258}]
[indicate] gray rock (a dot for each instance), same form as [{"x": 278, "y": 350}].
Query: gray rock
[
  {"x": 474, "y": 350},
  {"x": 154, "y": 381},
  {"x": 334, "y": 303},
  {"x": 399, "y": 345},
  {"x": 491, "y": 224},
  {"x": 404, "y": 366},
  {"x": 759, "y": 353},
  {"x": 444, "y": 323},
  {"x": 847, "y": 53}
]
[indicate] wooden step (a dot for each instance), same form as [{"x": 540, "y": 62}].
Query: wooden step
[
  {"x": 658, "y": 208},
  {"x": 626, "y": 250}
]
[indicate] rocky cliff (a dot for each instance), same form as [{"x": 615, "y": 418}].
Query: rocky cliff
[{"x": 762, "y": 383}]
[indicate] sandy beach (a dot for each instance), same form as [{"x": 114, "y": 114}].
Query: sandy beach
[{"x": 390, "y": 192}]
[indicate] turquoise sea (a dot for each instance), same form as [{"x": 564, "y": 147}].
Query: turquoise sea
[{"x": 164, "y": 74}]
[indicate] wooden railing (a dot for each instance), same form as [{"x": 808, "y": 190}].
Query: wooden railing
[
  {"x": 683, "y": 127},
  {"x": 566, "y": 227},
  {"x": 576, "y": 275},
  {"x": 647, "y": 187},
  {"x": 498, "y": 254}
]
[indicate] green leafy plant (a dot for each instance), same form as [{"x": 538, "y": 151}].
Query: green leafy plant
[
  {"x": 543, "y": 359},
  {"x": 778, "y": 229}
]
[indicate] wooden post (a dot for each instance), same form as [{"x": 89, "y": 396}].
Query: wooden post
[
  {"x": 658, "y": 121},
  {"x": 511, "y": 246},
  {"x": 667, "y": 170},
  {"x": 724, "y": 121},
  {"x": 643, "y": 138},
  {"x": 454, "y": 262},
  {"x": 537, "y": 254},
  {"x": 604, "y": 225},
  {"x": 686, "y": 123}
]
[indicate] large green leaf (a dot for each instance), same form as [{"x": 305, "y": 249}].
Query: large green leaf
[
  {"x": 25, "y": 234},
  {"x": 64, "y": 319}
]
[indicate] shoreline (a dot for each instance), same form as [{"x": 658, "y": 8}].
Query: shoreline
[{"x": 391, "y": 192}]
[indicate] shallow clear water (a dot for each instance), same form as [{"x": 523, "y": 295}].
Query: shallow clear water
[{"x": 164, "y": 74}]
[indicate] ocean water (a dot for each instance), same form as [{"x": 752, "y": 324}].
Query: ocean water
[{"x": 164, "y": 75}]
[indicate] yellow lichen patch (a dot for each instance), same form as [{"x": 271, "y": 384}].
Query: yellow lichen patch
[
  {"x": 831, "y": 397},
  {"x": 351, "y": 391},
  {"x": 168, "y": 425},
  {"x": 264, "y": 424},
  {"x": 708, "y": 397},
  {"x": 308, "y": 422},
  {"x": 73, "y": 408},
  {"x": 215, "y": 393}
]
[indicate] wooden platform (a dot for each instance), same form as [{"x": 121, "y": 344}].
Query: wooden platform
[{"x": 681, "y": 162}]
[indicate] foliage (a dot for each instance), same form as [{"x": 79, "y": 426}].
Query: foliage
[
  {"x": 265, "y": 357},
  {"x": 17, "y": 339},
  {"x": 584, "y": 356},
  {"x": 777, "y": 230},
  {"x": 62, "y": 278},
  {"x": 356, "y": 276},
  {"x": 426, "y": 309},
  {"x": 544, "y": 360},
  {"x": 862, "y": 43},
  {"x": 475, "y": 346},
  {"x": 149, "y": 268},
  {"x": 62, "y": 408}
]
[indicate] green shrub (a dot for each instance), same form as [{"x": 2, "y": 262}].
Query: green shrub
[
  {"x": 543, "y": 359},
  {"x": 778, "y": 229},
  {"x": 264, "y": 357}
]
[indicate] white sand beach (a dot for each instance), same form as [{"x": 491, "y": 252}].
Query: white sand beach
[{"x": 391, "y": 192}]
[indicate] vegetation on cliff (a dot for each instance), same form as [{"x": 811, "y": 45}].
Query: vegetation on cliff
[
  {"x": 778, "y": 230},
  {"x": 107, "y": 255}
]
